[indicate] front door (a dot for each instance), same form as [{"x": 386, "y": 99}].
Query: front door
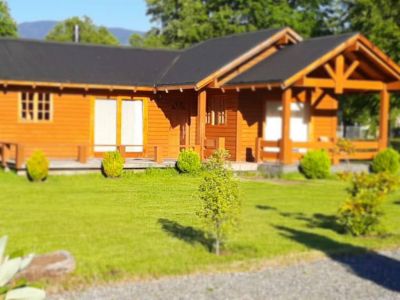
[
  {"x": 132, "y": 125},
  {"x": 116, "y": 125},
  {"x": 299, "y": 122},
  {"x": 105, "y": 125}
]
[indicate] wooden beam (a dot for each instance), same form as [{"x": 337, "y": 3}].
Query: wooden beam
[
  {"x": 243, "y": 68},
  {"x": 285, "y": 143},
  {"x": 367, "y": 69},
  {"x": 201, "y": 120},
  {"x": 350, "y": 70},
  {"x": 365, "y": 44},
  {"x": 384, "y": 119},
  {"x": 339, "y": 68},
  {"x": 330, "y": 71},
  {"x": 349, "y": 84},
  {"x": 394, "y": 86},
  {"x": 321, "y": 61}
]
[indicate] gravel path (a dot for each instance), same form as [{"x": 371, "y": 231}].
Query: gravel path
[{"x": 369, "y": 276}]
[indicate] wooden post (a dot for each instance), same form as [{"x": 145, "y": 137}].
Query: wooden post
[
  {"x": 19, "y": 157},
  {"x": 4, "y": 155},
  {"x": 339, "y": 79},
  {"x": 220, "y": 143},
  {"x": 384, "y": 119},
  {"x": 285, "y": 143},
  {"x": 82, "y": 154},
  {"x": 258, "y": 150},
  {"x": 157, "y": 155},
  {"x": 121, "y": 149},
  {"x": 201, "y": 120}
]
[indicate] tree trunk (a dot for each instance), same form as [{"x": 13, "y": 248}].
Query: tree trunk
[{"x": 217, "y": 246}]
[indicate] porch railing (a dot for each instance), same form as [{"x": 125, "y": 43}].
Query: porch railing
[{"x": 362, "y": 150}]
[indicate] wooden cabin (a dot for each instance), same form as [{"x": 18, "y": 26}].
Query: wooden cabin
[{"x": 264, "y": 96}]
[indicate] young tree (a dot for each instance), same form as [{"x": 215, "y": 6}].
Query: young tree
[
  {"x": 8, "y": 27},
  {"x": 88, "y": 32},
  {"x": 220, "y": 204}
]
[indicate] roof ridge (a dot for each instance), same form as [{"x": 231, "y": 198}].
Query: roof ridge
[
  {"x": 353, "y": 33},
  {"x": 233, "y": 35},
  {"x": 72, "y": 44}
]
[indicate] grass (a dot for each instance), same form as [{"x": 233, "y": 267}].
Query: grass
[{"x": 144, "y": 225}]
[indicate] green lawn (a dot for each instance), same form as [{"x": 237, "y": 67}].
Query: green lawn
[{"x": 145, "y": 224}]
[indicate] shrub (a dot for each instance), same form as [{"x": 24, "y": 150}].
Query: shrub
[
  {"x": 220, "y": 204},
  {"x": 362, "y": 212},
  {"x": 188, "y": 162},
  {"x": 113, "y": 164},
  {"x": 217, "y": 160},
  {"x": 37, "y": 166},
  {"x": 316, "y": 165},
  {"x": 386, "y": 161}
]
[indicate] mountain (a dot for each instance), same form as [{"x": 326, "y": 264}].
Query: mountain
[{"x": 39, "y": 29}]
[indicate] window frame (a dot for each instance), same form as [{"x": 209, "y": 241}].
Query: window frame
[{"x": 35, "y": 110}]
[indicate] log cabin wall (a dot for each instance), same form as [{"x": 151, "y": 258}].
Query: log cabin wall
[
  {"x": 72, "y": 121},
  {"x": 172, "y": 122},
  {"x": 229, "y": 129}
]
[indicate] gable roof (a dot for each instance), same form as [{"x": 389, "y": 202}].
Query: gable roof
[
  {"x": 203, "y": 59},
  {"x": 290, "y": 60},
  {"x": 29, "y": 60},
  {"x": 39, "y": 61}
]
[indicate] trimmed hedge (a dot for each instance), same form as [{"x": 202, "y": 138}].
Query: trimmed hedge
[
  {"x": 113, "y": 164},
  {"x": 37, "y": 167},
  {"x": 316, "y": 165},
  {"x": 188, "y": 162},
  {"x": 387, "y": 160}
]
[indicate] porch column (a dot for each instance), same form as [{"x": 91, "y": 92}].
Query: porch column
[
  {"x": 201, "y": 120},
  {"x": 384, "y": 118},
  {"x": 286, "y": 143}
]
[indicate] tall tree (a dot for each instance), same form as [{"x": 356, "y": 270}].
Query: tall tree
[
  {"x": 379, "y": 20},
  {"x": 181, "y": 23},
  {"x": 88, "y": 32},
  {"x": 8, "y": 27}
]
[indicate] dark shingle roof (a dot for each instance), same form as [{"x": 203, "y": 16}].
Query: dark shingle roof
[
  {"x": 203, "y": 59},
  {"x": 29, "y": 60},
  {"x": 290, "y": 60}
]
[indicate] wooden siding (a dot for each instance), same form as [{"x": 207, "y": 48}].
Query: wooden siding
[
  {"x": 229, "y": 129},
  {"x": 70, "y": 125}
]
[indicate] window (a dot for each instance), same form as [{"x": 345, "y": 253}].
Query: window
[
  {"x": 36, "y": 107},
  {"x": 216, "y": 114}
]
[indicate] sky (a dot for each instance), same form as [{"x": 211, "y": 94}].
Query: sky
[{"x": 130, "y": 14}]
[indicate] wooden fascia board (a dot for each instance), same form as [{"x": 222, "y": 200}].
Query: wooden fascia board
[
  {"x": 380, "y": 54},
  {"x": 386, "y": 63},
  {"x": 248, "y": 55},
  {"x": 324, "y": 59},
  {"x": 175, "y": 87},
  {"x": 394, "y": 86},
  {"x": 251, "y": 86},
  {"x": 62, "y": 85},
  {"x": 243, "y": 68}
]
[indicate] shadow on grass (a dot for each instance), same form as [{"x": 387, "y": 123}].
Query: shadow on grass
[
  {"x": 375, "y": 267},
  {"x": 317, "y": 221},
  {"x": 187, "y": 234},
  {"x": 397, "y": 202},
  {"x": 265, "y": 207}
]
